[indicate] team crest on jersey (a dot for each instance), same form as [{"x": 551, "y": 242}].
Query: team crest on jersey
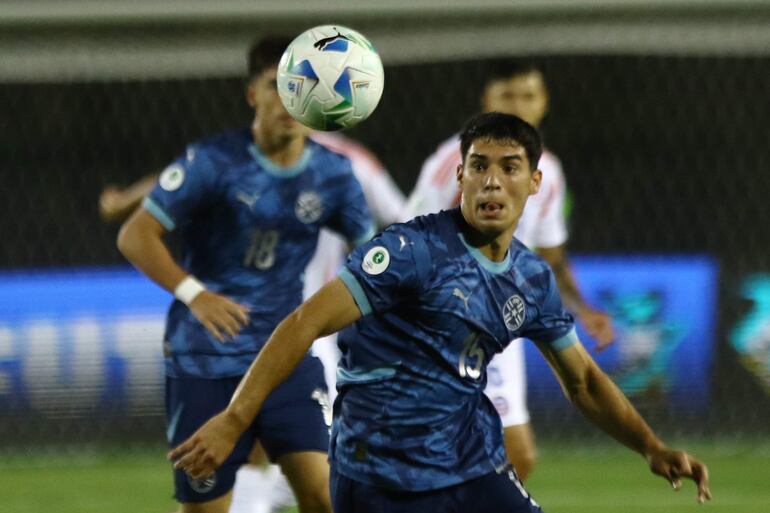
[
  {"x": 203, "y": 485},
  {"x": 376, "y": 261},
  {"x": 513, "y": 312},
  {"x": 308, "y": 207},
  {"x": 171, "y": 178}
]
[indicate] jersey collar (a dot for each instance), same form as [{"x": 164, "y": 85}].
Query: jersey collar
[
  {"x": 280, "y": 171},
  {"x": 486, "y": 263}
]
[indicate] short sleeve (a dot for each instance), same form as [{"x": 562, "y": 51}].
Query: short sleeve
[
  {"x": 553, "y": 324},
  {"x": 352, "y": 218},
  {"x": 182, "y": 188},
  {"x": 389, "y": 269}
]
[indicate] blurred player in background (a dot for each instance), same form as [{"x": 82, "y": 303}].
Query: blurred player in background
[
  {"x": 413, "y": 431},
  {"x": 259, "y": 488},
  {"x": 249, "y": 205},
  {"x": 518, "y": 89}
]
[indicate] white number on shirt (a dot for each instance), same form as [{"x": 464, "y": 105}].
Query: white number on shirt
[
  {"x": 472, "y": 357},
  {"x": 261, "y": 253}
]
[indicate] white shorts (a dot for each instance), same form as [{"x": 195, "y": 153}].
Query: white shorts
[
  {"x": 507, "y": 384},
  {"x": 326, "y": 350}
]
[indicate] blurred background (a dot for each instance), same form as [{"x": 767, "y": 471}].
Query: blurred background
[{"x": 660, "y": 113}]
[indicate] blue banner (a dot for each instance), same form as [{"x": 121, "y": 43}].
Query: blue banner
[
  {"x": 664, "y": 312},
  {"x": 90, "y": 340}
]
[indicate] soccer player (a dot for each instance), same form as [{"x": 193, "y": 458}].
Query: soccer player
[
  {"x": 257, "y": 487},
  {"x": 430, "y": 302},
  {"x": 519, "y": 89},
  {"x": 249, "y": 205}
]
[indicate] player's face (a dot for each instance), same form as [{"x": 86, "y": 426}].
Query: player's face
[
  {"x": 271, "y": 120},
  {"x": 524, "y": 96},
  {"x": 495, "y": 181}
]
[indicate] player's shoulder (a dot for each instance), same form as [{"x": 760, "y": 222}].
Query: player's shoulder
[
  {"x": 347, "y": 147},
  {"x": 449, "y": 145},
  {"x": 532, "y": 267},
  {"x": 332, "y": 163},
  {"x": 550, "y": 165},
  {"x": 227, "y": 147}
]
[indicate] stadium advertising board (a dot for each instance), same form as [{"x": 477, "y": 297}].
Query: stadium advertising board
[{"x": 79, "y": 341}]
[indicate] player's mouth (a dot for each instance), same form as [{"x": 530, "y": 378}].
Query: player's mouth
[{"x": 491, "y": 209}]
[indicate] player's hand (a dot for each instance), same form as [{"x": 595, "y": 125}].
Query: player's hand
[
  {"x": 221, "y": 316},
  {"x": 674, "y": 465},
  {"x": 112, "y": 204},
  {"x": 201, "y": 454},
  {"x": 598, "y": 325}
]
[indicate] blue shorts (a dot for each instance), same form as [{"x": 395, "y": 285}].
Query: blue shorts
[
  {"x": 492, "y": 493},
  {"x": 292, "y": 419}
]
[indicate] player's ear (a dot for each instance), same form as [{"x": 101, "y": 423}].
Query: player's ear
[
  {"x": 534, "y": 181},
  {"x": 251, "y": 94},
  {"x": 459, "y": 173}
]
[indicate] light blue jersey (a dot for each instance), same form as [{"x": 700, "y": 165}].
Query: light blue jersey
[
  {"x": 248, "y": 230},
  {"x": 411, "y": 414}
]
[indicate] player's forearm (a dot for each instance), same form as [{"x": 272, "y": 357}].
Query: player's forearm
[
  {"x": 565, "y": 280},
  {"x": 147, "y": 252},
  {"x": 602, "y": 402}
]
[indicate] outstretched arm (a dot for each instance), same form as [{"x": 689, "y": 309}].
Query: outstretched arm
[
  {"x": 116, "y": 204},
  {"x": 602, "y": 402},
  {"x": 597, "y": 324},
  {"x": 328, "y": 311}
]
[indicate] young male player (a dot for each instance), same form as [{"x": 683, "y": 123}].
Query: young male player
[
  {"x": 258, "y": 488},
  {"x": 430, "y": 302},
  {"x": 249, "y": 205},
  {"x": 518, "y": 89}
]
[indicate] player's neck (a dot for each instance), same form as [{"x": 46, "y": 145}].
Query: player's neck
[
  {"x": 283, "y": 152},
  {"x": 493, "y": 246}
]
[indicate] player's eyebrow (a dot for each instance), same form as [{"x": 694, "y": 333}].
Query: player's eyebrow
[{"x": 477, "y": 156}]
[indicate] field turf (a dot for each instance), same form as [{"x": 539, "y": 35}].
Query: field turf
[{"x": 569, "y": 479}]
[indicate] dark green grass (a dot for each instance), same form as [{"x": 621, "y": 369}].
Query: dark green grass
[{"x": 569, "y": 479}]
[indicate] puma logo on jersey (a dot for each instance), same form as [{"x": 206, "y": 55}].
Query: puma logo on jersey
[
  {"x": 459, "y": 293},
  {"x": 247, "y": 199}
]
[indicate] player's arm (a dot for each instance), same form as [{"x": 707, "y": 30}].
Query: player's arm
[
  {"x": 141, "y": 242},
  {"x": 596, "y": 323},
  {"x": 116, "y": 204},
  {"x": 328, "y": 311},
  {"x": 602, "y": 402}
]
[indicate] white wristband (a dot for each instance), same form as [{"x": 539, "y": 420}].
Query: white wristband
[{"x": 188, "y": 289}]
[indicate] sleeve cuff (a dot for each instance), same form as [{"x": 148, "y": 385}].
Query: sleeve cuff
[
  {"x": 370, "y": 232},
  {"x": 164, "y": 219},
  {"x": 356, "y": 291},
  {"x": 565, "y": 341}
]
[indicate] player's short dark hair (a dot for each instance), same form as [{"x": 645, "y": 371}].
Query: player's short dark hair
[
  {"x": 265, "y": 52},
  {"x": 497, "y": 126},
  {"x": 503, "y": 69}
]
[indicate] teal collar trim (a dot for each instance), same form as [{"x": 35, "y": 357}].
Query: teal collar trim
[
  {"x": 280, "y": 171},
  {"x": 489, "y": 265}
]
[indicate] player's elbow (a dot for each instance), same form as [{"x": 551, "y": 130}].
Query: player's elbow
[{"x": 128, "y": 241}]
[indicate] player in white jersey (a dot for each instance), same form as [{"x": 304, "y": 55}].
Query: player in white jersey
[{"x": 518, "y": 89}]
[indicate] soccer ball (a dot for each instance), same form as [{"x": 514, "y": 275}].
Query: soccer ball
[{"x": 330, "y": 78}]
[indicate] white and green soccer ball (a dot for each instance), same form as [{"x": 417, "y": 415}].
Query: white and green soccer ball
[{"x": 330, "y": 78}]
